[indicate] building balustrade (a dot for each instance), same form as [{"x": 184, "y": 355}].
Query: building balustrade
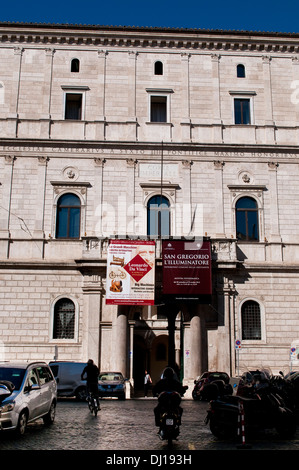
[
  {"x": 103, "y": 129},
  {"x": 223, "y": 250}
]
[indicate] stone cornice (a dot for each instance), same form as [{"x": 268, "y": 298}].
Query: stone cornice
[
  {"x": 115, "y": 148},
  {"x": 51, "y": 35}
]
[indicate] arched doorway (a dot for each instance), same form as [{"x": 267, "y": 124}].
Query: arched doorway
[
  {"x": 159, "y": 356},
  {"x": 152, "y": 357},
  {"x": 140, "y": 361}
]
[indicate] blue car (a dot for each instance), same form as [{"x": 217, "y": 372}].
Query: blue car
[{"x": 112, "y": 384}]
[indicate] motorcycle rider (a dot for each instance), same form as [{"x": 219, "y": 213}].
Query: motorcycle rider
[
  {"x": 169, "y": 383},
  {"x": 92, "y": 375}
]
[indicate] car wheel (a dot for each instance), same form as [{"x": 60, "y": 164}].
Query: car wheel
[
  {"x": 122, "y": 397},
  {"x": 22, "y": 423},
  {"x": 50, "y": 416}
]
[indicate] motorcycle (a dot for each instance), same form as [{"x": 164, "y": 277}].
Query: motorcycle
[
  {"x": 168, "y": 415},
  {"x": 211, "y": 385},
  {"x": 257, "y": 403}
]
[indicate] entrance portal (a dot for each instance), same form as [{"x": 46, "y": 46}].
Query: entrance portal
[
  {"x": 151, "y": 357},
  {"x": 139, "y": 361},
  {"x": 159, "y": 356}
]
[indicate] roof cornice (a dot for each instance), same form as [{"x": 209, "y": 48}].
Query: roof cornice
[{"x": 147, "y": 37}]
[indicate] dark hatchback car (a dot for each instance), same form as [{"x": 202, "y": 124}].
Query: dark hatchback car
[
  {"x": 112, "y": 384},
  {"x": 210, "y": 385}
]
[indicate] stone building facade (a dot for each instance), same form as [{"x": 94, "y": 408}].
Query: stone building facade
[{"x": 95, "y": 124}]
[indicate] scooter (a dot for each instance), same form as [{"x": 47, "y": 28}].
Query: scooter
[
  {"x": 261, "y": 408},
  {"x": 168, "y": 415}
]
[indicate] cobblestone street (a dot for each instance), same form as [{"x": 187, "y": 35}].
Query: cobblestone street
[{"x": 128, "y": 425}]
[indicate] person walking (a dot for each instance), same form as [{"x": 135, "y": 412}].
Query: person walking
[{"x": 147, "y": 382}]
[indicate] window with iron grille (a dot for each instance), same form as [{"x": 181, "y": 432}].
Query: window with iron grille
[
  {"x": 251, "y": 320},
  {"x": 64, "y": 319}
]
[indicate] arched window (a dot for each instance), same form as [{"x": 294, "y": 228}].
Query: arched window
[
  {"x": 75, "y": 65},
  {"x": 68, "y": 216},
  {"x": 158, "y": 68},
  {"x": 240, "y": 71},
  {"x": 158, "y": 216},
  {"x": 251, "y": 320},
  {"x": 64, "y": 319},
  {"x": 247, "y": 219}
]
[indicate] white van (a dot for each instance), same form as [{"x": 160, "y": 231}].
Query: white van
[{"x": 68, "y": 378}]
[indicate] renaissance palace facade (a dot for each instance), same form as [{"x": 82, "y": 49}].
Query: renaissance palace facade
[{"x": 145, "y": 136}]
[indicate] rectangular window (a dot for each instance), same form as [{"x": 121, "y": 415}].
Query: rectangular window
[
  {"x": 242, "y": 110},
  {"x": 158, "y": 108},
  {"x": 73, "y": 106}
]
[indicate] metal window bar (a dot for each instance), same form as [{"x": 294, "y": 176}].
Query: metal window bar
[
  {"x": 64, "y": 320},
  {"x": 251, "y": 321}
]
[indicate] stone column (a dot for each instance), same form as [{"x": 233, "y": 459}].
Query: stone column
[
  {"x": 92, "y": 291},
  {"x": 215, "y": 58},
  {"x": 6, "y": 192},
  {"x": 225, "y": 335},
  {"x": 185, "y": 102},
  {"x": 97, "y": 229},
  {"x": 195, "y": 346},
  {"x": 132, "y": 85},
  {"x": 268, "y": 104},
  {"x": 47, "y": 93},
  {"x": 295, "y": 87},
  {"x": 102, "y": 55},
  {"x": 186, "y": 227},
  {"x": 192, "y": 354},
  {"x": 217, "y": 119},
  {"x": 101, "y": 96},
  {"x": 275, "y": 237},
  {"x": 40, "y": 196},
  {"x": 14, "y": 101},
  {"x": 121, "y": 348},
  {"x": 131, "y": 324},
  {"x": 268, "y": 108},
  {"x": 127, "y": 204},
  {"x": 218, "y": 167}
]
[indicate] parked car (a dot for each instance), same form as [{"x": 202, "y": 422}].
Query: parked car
[
  {"x": 210, "y": 385},
  {"x": 68, "y": 378},
  {"x": 112, "y": 384},
  {"x": 28, "y": 392}
]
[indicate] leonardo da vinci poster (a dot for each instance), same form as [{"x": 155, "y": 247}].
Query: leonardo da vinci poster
[{"x": 130, "y": 272}]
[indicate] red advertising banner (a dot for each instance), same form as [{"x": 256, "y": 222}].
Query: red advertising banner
[
  {"x": 130, "y": 272},
  {"x": 186, "y": 268}
]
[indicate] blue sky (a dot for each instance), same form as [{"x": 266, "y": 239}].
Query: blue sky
[{"x": 274, "y": 15}]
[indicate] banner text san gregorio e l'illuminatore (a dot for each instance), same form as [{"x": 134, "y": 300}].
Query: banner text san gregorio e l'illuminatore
[{"x": 186, "y": 268}]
